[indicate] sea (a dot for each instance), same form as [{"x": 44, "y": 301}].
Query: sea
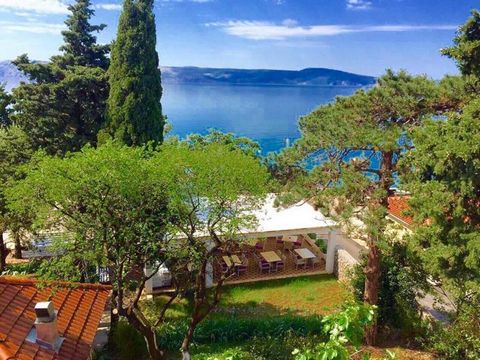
[{"x": 267, "y": 114}]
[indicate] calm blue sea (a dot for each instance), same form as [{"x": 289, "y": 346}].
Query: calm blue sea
[{"x": 267, "y": 114}]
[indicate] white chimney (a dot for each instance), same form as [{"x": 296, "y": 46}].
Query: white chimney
[{"x": 46, "y": 326}]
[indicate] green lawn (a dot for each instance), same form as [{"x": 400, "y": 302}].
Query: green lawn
[
  {"x": 261, "y": 302},
  {"x": 307, "y": 295}
]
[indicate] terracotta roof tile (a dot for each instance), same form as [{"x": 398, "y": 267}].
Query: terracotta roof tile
[
  {"x": 80, "y": 308},
  {"x": 397, "y": 205}
]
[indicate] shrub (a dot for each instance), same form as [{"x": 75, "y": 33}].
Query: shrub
[
  {"x": 321, "y": 244},
  {"x": 26, "y": 268},
  {"x": 280, "y": 348},
  {"x": 232, "y": 329},
  {"x": 459, "y": 340}
]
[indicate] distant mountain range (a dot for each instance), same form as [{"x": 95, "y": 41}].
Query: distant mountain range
[
  {"x": 9, "y": 75},
  {"x": 211, "y": 76}
]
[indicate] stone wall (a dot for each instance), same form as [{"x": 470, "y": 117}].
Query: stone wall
[{"x": 343, "y": 264}]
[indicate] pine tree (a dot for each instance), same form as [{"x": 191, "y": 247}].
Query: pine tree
[
  {"x": 347, "y": 159},
  {"x": 134, "y": 112},
  {"x": 81, "y": 46},
  {"x": 466, "y": 49},
  {"x": 5, "y": 102},
  {"x": 64, "y": 107}
]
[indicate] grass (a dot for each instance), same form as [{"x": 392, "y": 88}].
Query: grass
[
  {"x": 304, "y": 296},
  {"x": 309, "y": 295}
]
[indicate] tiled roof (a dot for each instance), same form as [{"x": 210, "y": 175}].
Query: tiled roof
[
  {"x": 80, "y": 308},
  {"x": 397, "y": 205}
]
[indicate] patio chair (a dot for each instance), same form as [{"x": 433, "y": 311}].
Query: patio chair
[
  {"x": 280, "y": 265},
  {"x": 315, "y": 261},
  {"x": 287, "y": 245},
  {"x": 260, "y": 245},
  {"x": 241, "y": 269},
  {"x": 299, "y": 262},
  {"x": 264, "y": 266}
]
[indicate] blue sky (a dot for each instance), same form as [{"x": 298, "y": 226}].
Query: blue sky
[{"x": 362, "y": 36}]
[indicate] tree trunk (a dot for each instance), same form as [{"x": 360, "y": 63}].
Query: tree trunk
[
  {"x": 3, "y": 252},
  {"x": 18, "y": 245},
  {"x": 141, "y": 325},
  {"x": 199, "y": 303},
  {"x": 114, "y": 317},
  {"x": 188, "y": 338},
  {"x": 372, "y": 285}
]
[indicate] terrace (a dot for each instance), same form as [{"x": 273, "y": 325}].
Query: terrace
[
  {"x": 271, "y": 258},
  {"x": 283, "y": 245}
]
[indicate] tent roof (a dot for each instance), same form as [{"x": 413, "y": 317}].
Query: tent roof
[{"x": 298, "y": 217}]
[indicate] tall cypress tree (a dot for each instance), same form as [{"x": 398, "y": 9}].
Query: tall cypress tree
[{"x": 134, "y": 112}]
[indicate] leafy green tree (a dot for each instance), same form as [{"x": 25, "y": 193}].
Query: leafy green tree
[
  {"x": 213, "y": 190},
  {"x": 347, "y": 159},
  {"x": 5, "y": 109},
  {"x": 63, "y": 107},
  {"x": 134, "y": 112},
  {"x": 131, "y": 208},
  {"x": 111, "y": 207},
  {"x": 245, "y": 144},
  {"x": 15, "y": 150},
  {"x": 466, "y": 48},
  {"x": 443, "y": 177}
]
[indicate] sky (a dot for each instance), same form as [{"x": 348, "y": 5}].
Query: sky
[{"x": 361, "y": 36}]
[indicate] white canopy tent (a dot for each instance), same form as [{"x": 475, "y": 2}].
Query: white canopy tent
[{"x": 300, "y": 218}]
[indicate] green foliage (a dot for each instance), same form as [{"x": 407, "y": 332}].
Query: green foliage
[
  {"x": 108, "y": 198},
  {"x": 460, "y": 339},
  {"x": 245, "y": 144},
  {"x": 63, "y": 108},
  {"x": 346, "y": 328},
  {"x": 443, "y": 177},
  {"x": 259, "y": 348},
  {"x": 128, "y": 343},
  {"x": 400, "y": 281},
  {"x": 80, "y": 47},
  {"x": 27, "y": 268},
  {"x": 5, "y": 109},
  {"x": 15, "y": 151},
  {"x": 260, "y": 335},
  {"x": 134, "y": 113},
  {"x": 272, "y": 347},
  {"x": 466, "y": 48}
]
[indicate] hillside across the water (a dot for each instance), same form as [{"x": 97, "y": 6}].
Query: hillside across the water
[
  {"x": 305, "y": 77},
  {"x": 195, "y": 75}
]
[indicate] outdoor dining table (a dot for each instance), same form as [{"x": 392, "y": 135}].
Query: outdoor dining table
[
  {"x": 305, "y": 253},
  {"x": 270, "y": 256},
  {"x": 228, "y": 260}
]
